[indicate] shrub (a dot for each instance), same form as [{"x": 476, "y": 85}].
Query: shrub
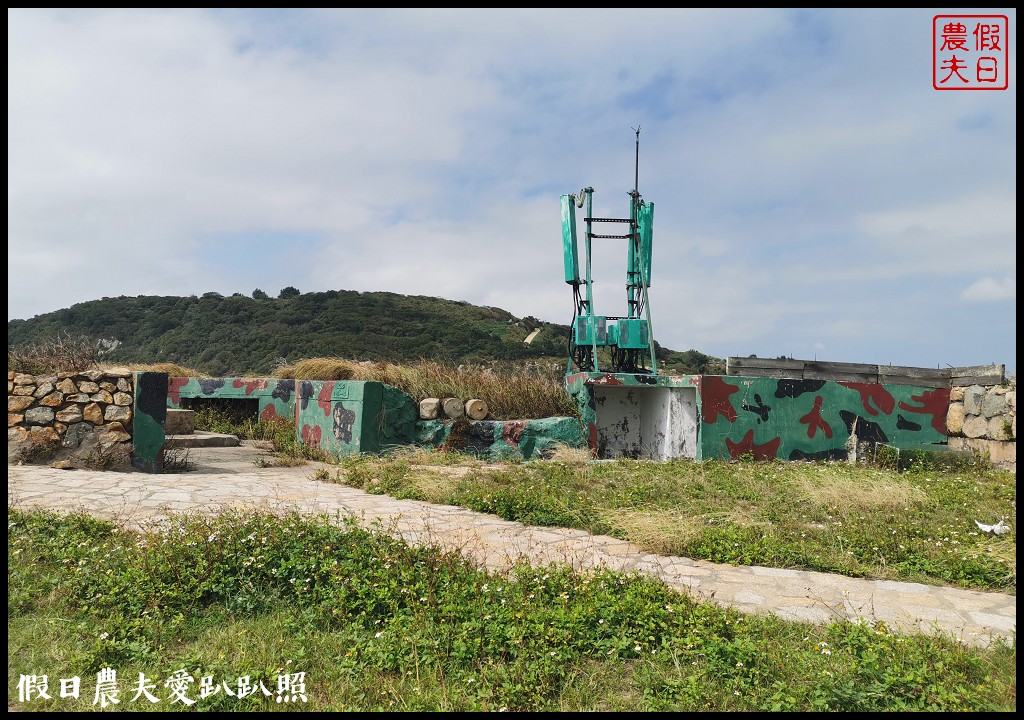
[{"x": 65, "y": 353}]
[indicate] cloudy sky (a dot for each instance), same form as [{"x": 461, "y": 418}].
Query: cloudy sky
[{"x": 815, "y": 196}]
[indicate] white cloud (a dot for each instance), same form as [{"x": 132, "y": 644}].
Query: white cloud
[
  {"x": 988, "y": 289},
  {"x": 809, "y": 183},
  {"x": 960, "y": 233}
]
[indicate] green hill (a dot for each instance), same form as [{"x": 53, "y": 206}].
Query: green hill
[{"x": 239, "y": 335}]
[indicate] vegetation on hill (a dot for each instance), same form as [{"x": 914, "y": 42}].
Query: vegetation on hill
[
  {"x": 239, "y": 335},
  {"x": 427, "y": 347}
]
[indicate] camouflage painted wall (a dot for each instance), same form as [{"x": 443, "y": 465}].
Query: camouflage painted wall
[
  {"x": 781, "y": 418},
  {"x": 497, "y": 439},
  {"x": 276, "y": 396},
  {"x": 813, "y": 419},
  {"x": 344, "y": 417},
  {"x": 735, "y": 416}
]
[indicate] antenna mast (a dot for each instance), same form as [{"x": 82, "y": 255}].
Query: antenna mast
[{"x": 629, "y": 339}]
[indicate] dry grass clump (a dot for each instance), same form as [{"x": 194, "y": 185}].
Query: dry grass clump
[
  {"x": 65, "y": 353},
  {"x": 574, "y": 457},
  {"x": 1006, "y": 554},
  {"x": 172, "y": 369},
  {"x": 511, "y": 391},
  {"x": 837, "y": 487},
  {"x": 660, "y": 530},
  {"x": 75, "y": 353},
  {"x": 416, "y": 455},
  {"x": 324, "y": 368}
]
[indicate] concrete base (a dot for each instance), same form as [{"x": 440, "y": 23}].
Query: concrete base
[
  {"x": 1002, "y": 453},
  {"x": 201, "y": 438},
  {"x": 180, "y": 422}
]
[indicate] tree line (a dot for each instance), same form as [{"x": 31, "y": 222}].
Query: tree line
[{"x": 242, "y": 335}]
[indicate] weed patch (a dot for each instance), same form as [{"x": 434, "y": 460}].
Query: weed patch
[{"x": 373, "y": 624}]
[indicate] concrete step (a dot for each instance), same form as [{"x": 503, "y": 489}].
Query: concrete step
[{"x": 201, "y": 438}]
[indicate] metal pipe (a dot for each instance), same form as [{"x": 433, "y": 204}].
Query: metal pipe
[{"x": 591, "y": 325}]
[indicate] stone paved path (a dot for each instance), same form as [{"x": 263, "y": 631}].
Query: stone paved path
[{"x": 227, "y": 478}]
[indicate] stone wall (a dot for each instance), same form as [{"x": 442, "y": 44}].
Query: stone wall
[
  {"x": 114, "y": 417},
  {"x": 76, "y": 419},
  {"x": 984, "y": 418}
]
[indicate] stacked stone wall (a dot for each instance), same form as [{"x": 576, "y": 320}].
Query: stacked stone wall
[
  {"x": 75, "y": 419},
  {"x": 85, "y": 419},
  {"x": 984, "y": 418}
]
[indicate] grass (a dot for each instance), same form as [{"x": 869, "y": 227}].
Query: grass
[
  {"x": 913, "y": 525},
  {"x": 333, "y": 617},
  {"x": 910, "y": 522}
]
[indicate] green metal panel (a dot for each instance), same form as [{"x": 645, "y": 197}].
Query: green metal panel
[
  {"x": 571, "y": 255},
  {"x": 646, "y": 221},
  {"x": 591, "y": 330},
  {"x": 612, "y": 334},
  {"x": 632, "y": 260},
  {"x": 633, "y": 334}
]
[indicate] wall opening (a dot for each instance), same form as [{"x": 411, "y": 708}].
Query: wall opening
[
  {"x": 236, "y": 411},
  {"x": 646, "y": 422}
]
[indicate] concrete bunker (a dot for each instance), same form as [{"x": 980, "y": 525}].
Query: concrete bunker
[{"x": 646, "y": 422}]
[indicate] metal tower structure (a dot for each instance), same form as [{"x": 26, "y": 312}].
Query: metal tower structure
[{"x": 629, "y": 338}]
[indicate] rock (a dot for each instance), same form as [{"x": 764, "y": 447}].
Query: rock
[{"x": 430, "y": 408}]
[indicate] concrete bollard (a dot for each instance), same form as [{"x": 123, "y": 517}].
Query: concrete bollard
[
  {"x": 430, "y": 408},
  {"x": 452, "y": 407},
  {"x": 476, "y": 409}
]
